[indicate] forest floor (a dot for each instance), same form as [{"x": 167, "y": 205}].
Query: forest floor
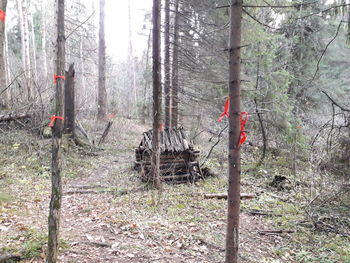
[{"x": 109, "y": 216}]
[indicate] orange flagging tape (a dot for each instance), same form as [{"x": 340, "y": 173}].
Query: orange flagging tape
[
  {"x": 54, "y": 118},
  {"x": 243, "y": 121},
  {"x": 225, "y": 113},
  {"x": 2, "y": 15},
  {"x": 58, "y": 77}
]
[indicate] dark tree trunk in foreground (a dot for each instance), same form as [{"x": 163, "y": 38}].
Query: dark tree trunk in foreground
[
  {"x": 56, "y": 195},
  {"x": 102, "y": 93},
  {"x": 167, "y": 65},
  {"x": 69, "y": 104},
  {"x": 232, "y": 241},
  {"x": 175, "y": 68},
  {"x": 157, "y": 91},
  {"x": 3, "y": 100}
]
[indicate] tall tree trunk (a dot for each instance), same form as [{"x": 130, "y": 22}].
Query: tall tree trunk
[
  {"x": 3, "y": 4},
  {"x": 167, "y": 65},
  {"x": 33, "y": 38},
  {"x": 131, "y": 59},
  {"x": 9, "y": 94},
  {"x": 69, "y": 102},
  {"x": 144, "y": 103},
  {"x": 234, "y": 161},
  {"x": 175, "y": 69},
  {"x": 23, "y": 20},
  {"x": 157, "y": 91},
  {"x": 82, "y": 66},
  {"x": 102, "y": 93},
  {"x": 56, "y": 195},
  {"x": 44, "y": 40}
]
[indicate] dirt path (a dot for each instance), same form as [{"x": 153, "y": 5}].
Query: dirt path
[{"x": 112, "y": 220}]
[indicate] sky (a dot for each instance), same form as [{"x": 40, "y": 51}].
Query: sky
[{"x": 117, "y": 26}]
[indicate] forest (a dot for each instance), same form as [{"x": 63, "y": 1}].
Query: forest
[{"x": 175, "y": 131}]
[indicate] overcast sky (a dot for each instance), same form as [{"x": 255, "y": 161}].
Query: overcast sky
[{"x": 117, "y": 26}]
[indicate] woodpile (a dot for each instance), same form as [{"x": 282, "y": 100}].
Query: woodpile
[{"x": 178, "y": 159}]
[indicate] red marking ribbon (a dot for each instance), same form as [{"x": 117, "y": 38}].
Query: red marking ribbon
[
  {"x": 225, "y": 113},
  {"x": 110, "y": 116},
  {"x": 161, "y": 127},
  {"x": 54, "y": 118},
  {"x": 243, "y": 120},
  {"x": 2, "y": 16},
  {"x": 55, "y": 77}
]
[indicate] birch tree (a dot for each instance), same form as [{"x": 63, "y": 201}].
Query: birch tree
[
  {"x": 3, "y": 4},
  {"x": 102, "y": 93},
  {"x": 25, "y": 52}
]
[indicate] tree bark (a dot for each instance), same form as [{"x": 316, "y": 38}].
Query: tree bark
[
  {"x": 23, "y": 20},
  {"x": 167, "y": 76},
  {"x": 56, "y": 195},
  {"x": 157, "y": 91},
  {"x": 175, "y": 69},
  {"x": 102, "y": 93},
  {"x": 4, "y": 101},
  {"x": 69, "y": 104},
  {"x": 147, "y": 82},
  {"x": 131, "y": 60},
  {"x": 234, "y": 164},
  {"x": 44, "y": 40},
  {"x": 33, "y": 40}
]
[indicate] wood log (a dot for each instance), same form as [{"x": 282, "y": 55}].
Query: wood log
[
  {"x": 224, "y": 196},
  {"x": 10, "y": 258},
  {"x": 176, "y": 177},
  {"x": 82, "y": 130},
  {"x": 275, "y": 232},
  {"x": 12, "y": 117},
  {"x": 105, "y": 132}
]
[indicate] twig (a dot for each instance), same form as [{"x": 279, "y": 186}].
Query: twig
[
  {"x": 12, "y": 82},
  {"x": 324, "y": 51},
  {"x": 275, "y": 232},
  {"x": 224, "y": 196},
  {"x": 322, "y": 11},
  {"x": 75, "y": 29},
  {"x": 334, "y": 102},
  {"x": 271, "y": 6},
  {"x": 96, "y": 244},
  {"x": 217, "y": 142},
  {"x": 258, "y": 21}
]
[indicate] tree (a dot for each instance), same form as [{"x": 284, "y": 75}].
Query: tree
[
  {"x": 102, "y": 93},
  {"x": 69, "y": 102},
  {"x": 131, "y": 59},
  {"x": 56, "y": 195},
  {"x": 157, "y": 91},
  {"x": 167, "y": 65},
  {"x": 234, "y": 158},
  {"x": 175, "y": 69},
  {"x": 25, "y": 53},
  {"x": 3, "y": 4}
]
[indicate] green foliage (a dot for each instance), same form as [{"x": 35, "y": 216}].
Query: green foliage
[
  {"x": 4, "y": 197},
  {"x": 34, "y": 243}
]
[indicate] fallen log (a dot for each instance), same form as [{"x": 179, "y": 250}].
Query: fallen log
[
  {"x": 224, "y": 196},
  {"x": 105, "y": 133},
  {"x": 275, "y": 232},
  {"x": 255, "y": 212},
  {"x": 10, "y": 258},
  {"x": 12, "y": 117}
]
